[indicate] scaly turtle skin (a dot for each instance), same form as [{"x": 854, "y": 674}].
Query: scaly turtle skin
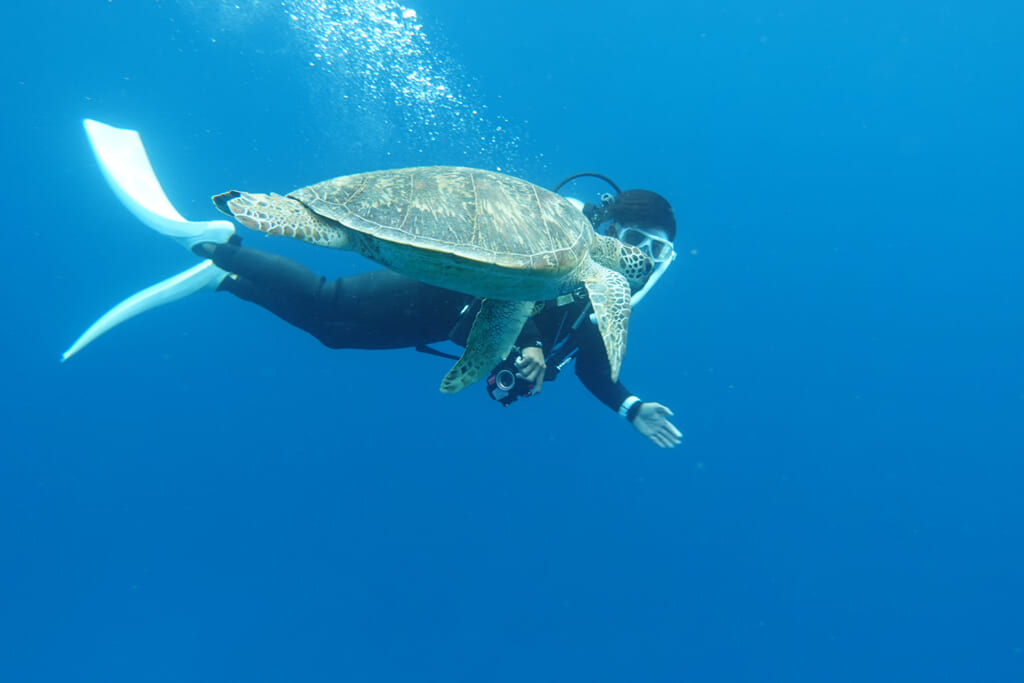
[{"x": 478, "y": 232}]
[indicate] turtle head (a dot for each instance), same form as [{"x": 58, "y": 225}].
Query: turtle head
[
  {"x": 635, "y": 265},
  {"x": 624, "y": 258}
]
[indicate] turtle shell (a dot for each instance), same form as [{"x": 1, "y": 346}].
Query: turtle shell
[{"x": 485, "y": 217}]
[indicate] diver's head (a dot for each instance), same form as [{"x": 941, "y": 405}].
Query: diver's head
[
  {"x": 643, "y": 219},
  {"x": 644, "y": 210},
  {"x": 639, "y": 218}
]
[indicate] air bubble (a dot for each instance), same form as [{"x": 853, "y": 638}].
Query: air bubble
[{"x": 378, "y": 82}]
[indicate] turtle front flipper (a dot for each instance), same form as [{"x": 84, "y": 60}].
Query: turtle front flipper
[
  {"x": 610, "y": 296},
  {"x": 494, "y": 331},
  {"x": 277, "y": 215}
]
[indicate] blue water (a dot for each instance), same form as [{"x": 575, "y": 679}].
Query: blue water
[{"x": 206, "y": 494}]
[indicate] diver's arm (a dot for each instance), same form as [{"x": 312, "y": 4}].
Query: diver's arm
[
  {"x": 530, "y": 335},
  {"x": 647, "y": 417},
  {"x": 594, "y": 371}
]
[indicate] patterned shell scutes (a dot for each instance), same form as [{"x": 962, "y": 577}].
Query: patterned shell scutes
[{"x": 483, "y": 216}]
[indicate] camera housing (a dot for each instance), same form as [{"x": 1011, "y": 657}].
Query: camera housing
[{"x": 505, "y": 386}]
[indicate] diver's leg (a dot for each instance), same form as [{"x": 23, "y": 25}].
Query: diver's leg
[{"x": 376, "y": 310}]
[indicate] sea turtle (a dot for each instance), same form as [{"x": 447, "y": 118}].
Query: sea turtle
[{"x": 479, "y": 232}]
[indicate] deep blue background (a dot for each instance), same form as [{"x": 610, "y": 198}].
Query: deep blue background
[{"x": 206, "y": 494}]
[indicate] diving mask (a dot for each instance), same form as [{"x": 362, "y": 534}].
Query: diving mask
[{"x": 656, "y": 247}]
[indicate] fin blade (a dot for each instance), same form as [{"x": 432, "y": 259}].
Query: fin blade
[
  {"x": 199, "y": 277},
  {"x": 125, "y": 165}
]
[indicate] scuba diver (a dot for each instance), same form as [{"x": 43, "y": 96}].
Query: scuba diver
[{"x": 386, "y": 310}]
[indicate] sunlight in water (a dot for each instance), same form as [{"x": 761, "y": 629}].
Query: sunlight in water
[{"x": 377, "y": 69}]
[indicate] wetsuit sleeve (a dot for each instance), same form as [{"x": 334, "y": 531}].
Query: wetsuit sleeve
[
  {"x": 594, "y": 370},
  {"x": 531, "y": 336}
]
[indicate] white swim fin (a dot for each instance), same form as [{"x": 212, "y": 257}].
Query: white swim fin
[
  {"x": 202, "y": 276},
  {"x": 125, "y": 165}
]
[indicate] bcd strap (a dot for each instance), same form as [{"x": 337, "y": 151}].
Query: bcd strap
[
  {"x": 423, "y": 348},
  {"x": 566, "y": 351}
]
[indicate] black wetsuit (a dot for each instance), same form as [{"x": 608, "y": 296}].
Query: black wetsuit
[{"x": 385, "y": 310}]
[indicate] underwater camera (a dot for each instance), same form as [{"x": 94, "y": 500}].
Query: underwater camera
[{"x": 505, "y": 386}]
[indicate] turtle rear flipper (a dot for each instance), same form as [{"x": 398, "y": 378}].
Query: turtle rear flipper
[
  {"x": 278, "y": 215},
  {"x": 610, "y": 296},
  {"x": 494, "y": 331}
]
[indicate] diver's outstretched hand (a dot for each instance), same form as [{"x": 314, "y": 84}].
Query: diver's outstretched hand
[{"x": 652, "y": 422}]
